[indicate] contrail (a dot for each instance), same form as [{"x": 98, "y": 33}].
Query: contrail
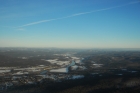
[{"x": 78, "y": 14}]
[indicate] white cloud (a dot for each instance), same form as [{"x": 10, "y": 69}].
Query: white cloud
[{"x": 78, "y": 14}]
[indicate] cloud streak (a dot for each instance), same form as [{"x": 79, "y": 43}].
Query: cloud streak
[{"x": 78, "y": 14}]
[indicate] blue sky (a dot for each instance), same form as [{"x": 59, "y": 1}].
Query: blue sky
[{"x": 70, "y": 23}]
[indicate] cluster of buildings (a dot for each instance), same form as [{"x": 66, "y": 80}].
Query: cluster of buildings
[{"x": 15, "y": 76}]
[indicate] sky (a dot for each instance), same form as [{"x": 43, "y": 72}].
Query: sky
[{"x": 70, "y": 23}]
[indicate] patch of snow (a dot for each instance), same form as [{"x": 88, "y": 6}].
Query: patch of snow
[
  {"x": 74, "y": 67},
  {"x": 77, "y": 61},
  {"x": 4, "y": 71},
  {"x": 97, "y": 65},
  {"x": 16, "y": 77},
  {"x": 61, "y": 70},
  {"x": 75, "y": 58}
]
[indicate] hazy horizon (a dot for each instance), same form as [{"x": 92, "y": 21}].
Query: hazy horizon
[
  {"x": 70, "y": 23},
  {"x": 78, "y": 48}
]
